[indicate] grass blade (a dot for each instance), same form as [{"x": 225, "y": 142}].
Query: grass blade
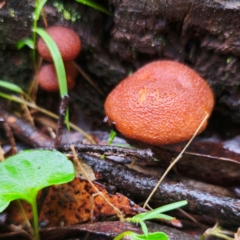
[
  {"x": 57, "y": 60},
  {"x": 95, "y": 5},
  {"x": 154, "y": 213},
  {"x": 10, "y": 86},
  {"x": 25, "y": 42},
  {"x": 39, "y": 8}
]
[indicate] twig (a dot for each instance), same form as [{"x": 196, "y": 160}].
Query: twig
[
  {"x": 33, "y": 105},
  {"x": 28, "y": 114},
  {"x": 188, "y": 216},
  {"x": 44, "y": 18},
  {"x": 9, "y": 134},
  {"x": 25, "y": 131},
  {"x": 145, "y": 154},
  {"x": 60, "y": 125},
  {"x": 76, "y": 160},
  {"x": 2, "y": 157},
  {"x": 90, "y": 81},
  {"x": 175, "y": 161}
]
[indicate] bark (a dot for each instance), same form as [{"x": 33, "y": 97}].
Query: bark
[{"x": 202, "y": 34}]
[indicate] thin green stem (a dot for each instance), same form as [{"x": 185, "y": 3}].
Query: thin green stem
[
  {"x": 25, "y": 216},
  {"x": 35, "y": 218},
  {"x": 34, "y": 36},
  {"x": 48, "y": 113}
]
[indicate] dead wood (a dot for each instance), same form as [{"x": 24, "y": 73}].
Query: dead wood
[
  {"x": 131, "y": 182},
  {"x": 144, "y": 154},
  {"x": 26, "y": 132},
  {"x": 33, "y": 137}
]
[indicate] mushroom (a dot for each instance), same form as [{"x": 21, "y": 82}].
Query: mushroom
[
  {"x": 164, "y": 102},
  {"x": 47, "y": 77},
  {"x": 67, "y": 40}
]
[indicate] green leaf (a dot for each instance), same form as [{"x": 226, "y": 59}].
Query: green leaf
[
  {"x": 164, "y": 217},
  {"x": 39, "y": 8},
  {"x": 24, "y": 174},
  {"x": 144, "y": 228},
  {"x": 135, "y": 236},
  {"x": 57, "y": 60},
  {"x": 165, "y": 208},
  {"x": 58, "y": 64},
  {"x": 25, "y": 42},
  {"x": 10, "y": 86},
  {"x": 155, "y": 213},
  {"x": 94, "y": 5}
]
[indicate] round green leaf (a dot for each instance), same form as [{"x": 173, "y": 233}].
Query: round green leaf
[{"x": 24, "y": 174}]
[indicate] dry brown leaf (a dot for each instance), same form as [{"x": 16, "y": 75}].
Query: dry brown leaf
[{"x": 70, "y": 204}]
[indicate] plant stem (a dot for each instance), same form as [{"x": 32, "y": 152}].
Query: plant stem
[
  {"x": 34, "y": 34},
  {"x": 48, "y": 113},
  {"x": 25, "y": 216},
  {"x": 35, "y": 218}
]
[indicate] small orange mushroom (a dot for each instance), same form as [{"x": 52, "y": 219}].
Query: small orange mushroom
[
  {"x": 47, "y": 77},
  {"x": 164, "y": 102},
  {"x": 67, "y": 40}
]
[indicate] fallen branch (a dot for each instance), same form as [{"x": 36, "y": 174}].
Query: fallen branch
[
  {"x": 145, "y": 154},
  {"x": 26, "y": 132},
  {"x": 132, "y": 182}
]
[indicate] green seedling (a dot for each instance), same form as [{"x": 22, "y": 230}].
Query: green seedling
[
  {"x": 135, "y": 236},
  {"x": 154, "y": 214},
  {"x": 24, "y": 174},
  {"x": 31, "y": 42},
  {"x": 111, "y": 137},
  {"x": 38, "y": 8},
  {"x": 94, "y": 5}
]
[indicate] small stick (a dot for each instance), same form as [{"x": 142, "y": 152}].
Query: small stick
[
  {"x": 175, "y": 161},
  {"x": 90, "y": 81},
  {"x": 76, "y": 160},
  {"x": 44, "y": 18},
  {"x": 9, "y": 134},
  {"x": 2, "y": 157},
  {"x": 27, "y": 113},
  {"x": 145, "y": 154},
  {"x": 48, "y": 113},
  {"x": 60, "y": 124},
  {"x": 188, "y": 215},
  {"x": 26, "y": 132}
]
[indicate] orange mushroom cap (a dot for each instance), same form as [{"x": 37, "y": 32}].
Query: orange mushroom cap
[
  {"x": 164, "y": 102},
  {"x": 67, "y": 40},
  {"x": 47, "y": 77}
]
